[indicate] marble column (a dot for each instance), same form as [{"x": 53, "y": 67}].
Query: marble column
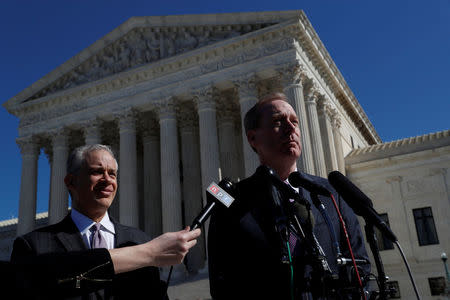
[
  {"x": 336, "y": 124},
  {"x": 28, "y": 185},
  {"x": 58, "y": 205},
  {"x": 129, "y": 207},
  {"x": 92, "y": 133},
  {"x": 152, "y": 180},
  {"x": 209, "y": 144},
  {"x": 170, "y": 169},
  {"x": 172, "y": 219},
  {"x": 326, "y": 131},
  {"x": 314, "y": 130},
  {"x": 292, "y": 78},
  {"x": 248, "y": 96},
  {"x": 114, "y": 209},
  {"x": 227, "y": 144},
  {"x": 192, "y": 185}
]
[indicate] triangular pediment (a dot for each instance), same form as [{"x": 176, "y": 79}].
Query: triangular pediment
[{"x": 145, "y": 40}]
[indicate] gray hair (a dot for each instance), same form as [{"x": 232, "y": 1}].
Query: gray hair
[{"x": 78, "y": 157}]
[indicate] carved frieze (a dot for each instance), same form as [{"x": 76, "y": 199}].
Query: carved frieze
[{"x": 145, "y": 45}]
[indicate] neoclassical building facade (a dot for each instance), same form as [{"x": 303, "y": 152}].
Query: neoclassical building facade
[{"x": 169, "y": 94}]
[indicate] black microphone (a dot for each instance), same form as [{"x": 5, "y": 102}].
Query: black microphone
[
  {"x": 304, "y": 214},
  {"x": 283, "y": 187},
  {"x": 297, "y": 179},
  {"x": 214, "y": 193},
  {"x": 359, "y": 202}
]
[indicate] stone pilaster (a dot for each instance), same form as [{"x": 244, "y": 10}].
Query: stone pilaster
[
  {"x": 152, "y": 179},
  {"x": 170, "y": 169},
  {"x": 402, "y": 211},
  {"x": 292, "y": 78},
  {"x": 58, "y": 204},
  {"x": 248, "y": 96},
  {"x": 192, "y": 191},
  {"x": 314, "y": 130},
  {"x": 326, "y": 131},
  {"x": 129, "y": 207},
  {"x": 92, "y": 133},
  {"x": 209, "y": 144},
  {"x": 336, "y": 124},
  {"x": 28, "y": 185}
]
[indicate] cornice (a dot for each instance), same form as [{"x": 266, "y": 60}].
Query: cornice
[
  {"x": 333, "y": 78},
  {"x": 399, "y": 147}
]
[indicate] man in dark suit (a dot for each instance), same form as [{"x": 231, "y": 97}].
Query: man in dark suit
[
  {"x": 248, "y": 257},
  {"x": 88, "y": 255}
]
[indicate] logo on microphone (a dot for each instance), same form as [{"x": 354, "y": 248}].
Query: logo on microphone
[{"x": 217, "y": 192}]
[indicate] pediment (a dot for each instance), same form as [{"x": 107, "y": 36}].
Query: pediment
[{"x": 145, "y": 40}]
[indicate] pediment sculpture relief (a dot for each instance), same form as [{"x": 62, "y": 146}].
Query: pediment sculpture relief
[{"x": 142, "y": 46}]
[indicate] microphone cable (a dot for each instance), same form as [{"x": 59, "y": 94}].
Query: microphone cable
[
  {"x": 292, "y": 270},
  {"x": 349, "y": 246},
  {"x": 321, "y": 207}
]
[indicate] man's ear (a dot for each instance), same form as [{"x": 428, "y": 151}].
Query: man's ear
[
  {"x": 69, "y": 180},
  {"x": 251, "y": 138}
]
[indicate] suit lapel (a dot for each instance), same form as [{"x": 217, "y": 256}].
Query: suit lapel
[
  {"x": 69, "y": 235},
  {"x": 122, "y": 237}
]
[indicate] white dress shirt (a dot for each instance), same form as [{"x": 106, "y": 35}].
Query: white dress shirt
[{"x": 84, "y": 225}]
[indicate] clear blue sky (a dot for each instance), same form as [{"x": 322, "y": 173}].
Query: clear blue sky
[{"x": 394, "y": 55}]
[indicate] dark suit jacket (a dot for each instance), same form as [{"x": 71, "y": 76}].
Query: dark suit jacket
[
  {"x": 245, "y": 249},
  {"x": 48, "y": 261}
]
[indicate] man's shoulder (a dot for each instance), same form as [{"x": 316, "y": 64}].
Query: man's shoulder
[
  {"x": 63, "y": 225},
  {"x": 132, "y": 233}
]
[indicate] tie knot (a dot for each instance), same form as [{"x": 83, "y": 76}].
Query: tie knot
[{"x": 96, "y": 227}]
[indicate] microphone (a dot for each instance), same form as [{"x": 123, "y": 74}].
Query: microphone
[
  {"x": 215, "y": 193},
  {"x": 298, "y": 179},
  {"x": 359, "y": 202},
  {"x": 304, "y": 214},
  {"x": 341, "y": 261},
  {"x": 284, "y": 188}
]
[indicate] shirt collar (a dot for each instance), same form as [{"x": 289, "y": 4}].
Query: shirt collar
[{"x": 84, "y": 223}]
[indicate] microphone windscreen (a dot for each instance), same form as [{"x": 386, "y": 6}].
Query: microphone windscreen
[
  {"x": 297, "y": 179},
  {"x": 228, "y": 186},
  {"x": 355, "y": 198},
  {"x": 301, "y": 211}
]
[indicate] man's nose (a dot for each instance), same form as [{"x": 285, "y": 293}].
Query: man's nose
[
  {"x": 107, "y": 177},
  {"x": 289, "y": 126}
]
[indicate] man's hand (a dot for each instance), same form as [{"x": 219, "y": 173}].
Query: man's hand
[
  {"x": 170, "y": 248},
  {"x": 165, "y": 250}
]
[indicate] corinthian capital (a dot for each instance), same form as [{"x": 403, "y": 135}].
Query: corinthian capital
[
  {"x": 59, "y": 138},
  {"x": 188, "y": 117},
  {"x": 246, "y": 86},
  {"x": 28, "y": 146},
  {"x": 166, "y": 108},
  {"x": 149, "y": 127},
  {"x": 292, "y": 74},
  {"x": 324, "y": 107},
  {"x": 203, "y": 98},
  {"x": 335, "y": 119},
  {"x": 127, "y": 119}
]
